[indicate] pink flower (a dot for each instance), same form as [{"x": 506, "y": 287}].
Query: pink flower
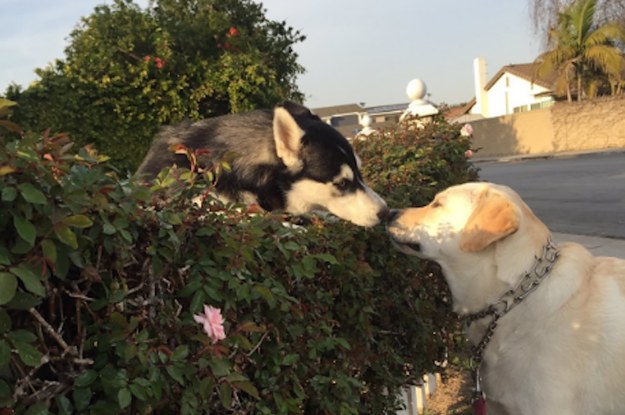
[
  {"x": 469, "y": 153},
  {"x": 466, "y": 130},
  {"x": 147, "y": 58},
  {"x": 212, "y": 322},
  {"x": 232, "y": 32},
  {"x": 159, "y": 62}
]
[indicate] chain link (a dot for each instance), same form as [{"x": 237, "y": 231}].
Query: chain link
[{"x": 510, "y": 299}]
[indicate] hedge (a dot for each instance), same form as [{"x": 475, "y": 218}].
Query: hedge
[{"x": 100, "y": 277}]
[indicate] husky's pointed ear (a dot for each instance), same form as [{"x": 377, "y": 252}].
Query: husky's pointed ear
[
  {"x": 288, "y": 137},
  {"x": 493, "y": 219}
]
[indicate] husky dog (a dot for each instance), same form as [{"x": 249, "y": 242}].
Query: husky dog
[{"x": 283, "y": 159}]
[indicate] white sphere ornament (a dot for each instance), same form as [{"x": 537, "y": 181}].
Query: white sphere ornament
[{"x": 416, "y": 89}]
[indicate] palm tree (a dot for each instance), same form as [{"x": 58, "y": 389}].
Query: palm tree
[{"x": 581, "y": 51}]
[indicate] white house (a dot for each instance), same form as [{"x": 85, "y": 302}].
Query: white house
[{"x": 513, "y": 89}]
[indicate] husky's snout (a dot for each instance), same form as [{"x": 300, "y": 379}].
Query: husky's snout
[{"x": 363, "y": 207}]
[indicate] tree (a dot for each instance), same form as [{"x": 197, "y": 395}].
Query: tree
[
  {"x": 544, "y": 13},
  {"x": 128, "y": 70},
  {"x": 582, "y": 52}
]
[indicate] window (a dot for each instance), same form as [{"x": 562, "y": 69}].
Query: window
[{"x": 343, "y": 120}]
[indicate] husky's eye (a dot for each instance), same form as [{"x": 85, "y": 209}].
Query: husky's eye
[
  {"x": 436, "y": 204},
  {"x": 343, "y": 184}
]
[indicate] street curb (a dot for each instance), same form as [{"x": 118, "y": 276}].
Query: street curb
[{"x": 545, "y": 156}]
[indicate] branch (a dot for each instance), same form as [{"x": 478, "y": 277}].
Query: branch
[{"x": 52, "y": 332}]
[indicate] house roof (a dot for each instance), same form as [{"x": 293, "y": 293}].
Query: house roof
[
  {"x": 453, "y": 112},
  {"x": 525, "y": 71},
  {"x": 380, "y": 109},
  {"x": 338, "y": 109},
  {"x": 522, "y": 70}
]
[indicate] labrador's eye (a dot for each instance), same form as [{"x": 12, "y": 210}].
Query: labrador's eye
[{"x": 436, "y": 204}]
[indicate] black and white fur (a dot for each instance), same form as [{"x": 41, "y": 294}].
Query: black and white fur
[{"x": 284, "y": 159}]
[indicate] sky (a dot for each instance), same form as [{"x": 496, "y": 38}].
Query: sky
[{"x": 356, "y": 51}]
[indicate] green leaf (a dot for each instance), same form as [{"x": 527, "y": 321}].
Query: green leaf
[
  {"x": 175, "y": 373},
  {"x": 5, "y": 391},
  {"x": 25, "y": 229},
  {"x": 64, "y": 405},
  {"x": 38, "y": 408},
  {"x": 6, "y": 103},
  {"x": 66, "y": 235},
  {"x": 108, "y": 229},
  {"x": 265, "y": 293},
  {"x": 31, "y": 194},
  {"x": 28, "y": 353},
  {"x": 206, "y": 387},
  {"x": 290, "y": 359},
  {"x": 23, "y": 301},
  {"x": 82, "y": 397},
  {"x": 31, "y": 281},
  {"x": 220, "y": 367},
  {"x": 124, "y": 398},
  {"x": 198, "y": 299},
  {"x": 140, "y": 391},
  {"x": 225, "y": 395},
  {"x": 247, "y": 387},
  {"x": 5, "y": 257},
  {"x": 11, "y": 126},
  {"x": 78, "y": 221},
  {"x": 174, "y": 218},
  {"x": 9, "y": 194},
  {"x": 236, "y": 377},
  {"x": 86, "y": 378},
  {"x": 5, "y": 353},
  {"x": 5, "y": 321},
  {"x": 180, "y": 353},
  {"x": 21, "y": 335},
  {"x": 329, "y": 258},
  {"x": 343, "y": 343},
  {"x": 49, "y": 250},
  {"x": 8, "y": 286}
]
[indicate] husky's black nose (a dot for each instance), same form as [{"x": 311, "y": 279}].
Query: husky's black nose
[
  {"x": 383, "y": 215},
  {"x": 391, "y": 215}
]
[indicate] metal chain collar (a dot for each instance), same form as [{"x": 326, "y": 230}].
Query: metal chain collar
[{"x": 510, "y": 299}]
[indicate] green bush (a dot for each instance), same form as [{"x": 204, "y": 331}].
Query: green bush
[
  {"x": 100, "y": 278},
  {"x": 413, "y": 162}
]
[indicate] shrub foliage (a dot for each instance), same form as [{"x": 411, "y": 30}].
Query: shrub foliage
[
  {"x": 129, "y": 70},
  {"x": 100, "y": 278}
]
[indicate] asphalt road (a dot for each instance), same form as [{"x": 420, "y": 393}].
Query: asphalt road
[{"x": 583, "y": 194}]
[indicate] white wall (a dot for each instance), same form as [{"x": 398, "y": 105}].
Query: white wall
[{"x": 507, "y": 93}]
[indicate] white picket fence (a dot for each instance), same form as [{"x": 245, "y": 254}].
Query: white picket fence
[{"x": 416, "y": 396}]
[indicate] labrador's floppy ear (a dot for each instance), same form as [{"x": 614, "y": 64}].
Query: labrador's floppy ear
[
  {"x": 288, "y": 137},
  {"x": 493, "y": 219}
]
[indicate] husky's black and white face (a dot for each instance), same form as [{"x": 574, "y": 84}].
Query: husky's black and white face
[{"x": 324, "y": 169}]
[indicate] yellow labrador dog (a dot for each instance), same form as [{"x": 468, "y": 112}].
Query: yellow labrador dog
[{"x": 547, "y": 322}]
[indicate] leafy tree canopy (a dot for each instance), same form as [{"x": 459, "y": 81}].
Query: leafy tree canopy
[{"x": 128, "y": 70}]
